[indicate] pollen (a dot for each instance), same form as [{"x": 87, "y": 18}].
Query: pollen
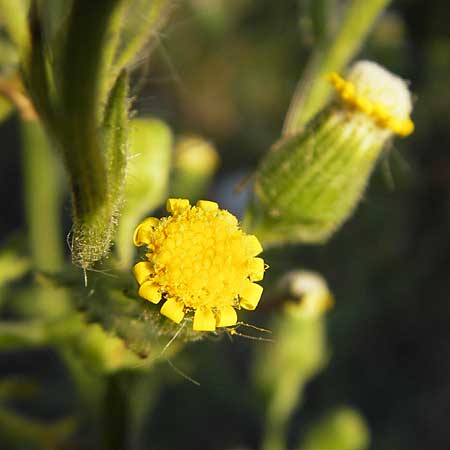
[
  {"x": 377, "y": 110},
  {"x": 199, "y": 264}
]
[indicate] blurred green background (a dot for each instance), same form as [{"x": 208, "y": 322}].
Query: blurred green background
[{"x": 226, "y": 69}]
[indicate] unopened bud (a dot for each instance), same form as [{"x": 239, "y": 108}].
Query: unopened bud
[
  {"x": 309, "y": 184},
  {"x": 299, "y": 351},
  {"x": 308, "y": 294},
  {"x": 195, "y": 162},
  {"x": 342, "y": 429}
]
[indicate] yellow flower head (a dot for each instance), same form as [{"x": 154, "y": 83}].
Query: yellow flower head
[{"x": 199, "y": 260}]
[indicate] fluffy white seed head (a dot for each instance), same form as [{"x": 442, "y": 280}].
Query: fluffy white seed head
[{"x": 378, "y": 85}]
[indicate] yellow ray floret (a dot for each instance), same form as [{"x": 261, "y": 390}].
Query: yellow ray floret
[
  {"x": 199, "y": 261},
  {"x": 376, "y": 110}
]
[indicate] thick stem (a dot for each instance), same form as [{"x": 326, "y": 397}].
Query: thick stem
[{"x": 313, "y": 90}]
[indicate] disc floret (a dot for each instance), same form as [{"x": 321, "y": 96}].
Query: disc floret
[{"x": 199, "y": 261}]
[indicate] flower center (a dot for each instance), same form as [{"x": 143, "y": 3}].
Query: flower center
[{"x": 200, "y": 257}]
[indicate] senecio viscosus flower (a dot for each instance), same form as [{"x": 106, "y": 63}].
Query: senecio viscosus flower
[
  {"x": 199, "y": 261},
  {"x": 310, "y": 183}
]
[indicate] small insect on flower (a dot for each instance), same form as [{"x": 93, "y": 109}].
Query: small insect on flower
[{"x": 199, "y": 261}]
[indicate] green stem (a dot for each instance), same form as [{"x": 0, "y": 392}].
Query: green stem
[
  {"x": 115, "y": 414},
  {"x": 42, "y": 194},
  {"x": 152, "y": 15},
  {"x": 282, "y": 404},
  {"x": 333, "y": 55}
]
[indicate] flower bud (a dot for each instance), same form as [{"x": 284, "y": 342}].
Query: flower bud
[
  {"x": 307, "y": 293},
  {"x": 300, "y": 350},
  {"x": 342, "y": 429},
  {"x": 195, "y": 162},
  {"x": 309, "y": 184}
]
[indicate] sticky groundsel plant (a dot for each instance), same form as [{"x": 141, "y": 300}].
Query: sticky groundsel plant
[{"x": 65, "y": 68}]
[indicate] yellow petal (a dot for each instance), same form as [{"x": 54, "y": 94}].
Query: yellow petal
[
  {"x": 204, "y": 320},
  {"x": 150, "y": 292},
  {"x": 206, "y": 205},
  {"x": 143, "y": 230},
  {"x": 228, "y": 217},
  {"x": 142, "y": 270},
  {"x": 252, "y": 244},
  {"x": 226, "y": 317},
  {"x": 174, "y": 205},
  {"x": 250, "y": 295},
  {"x": 256, "y": 269},
  {"x": 173, "y": 310}
]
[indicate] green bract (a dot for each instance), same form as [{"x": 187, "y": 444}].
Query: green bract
[{"x": 310, "y": 183}]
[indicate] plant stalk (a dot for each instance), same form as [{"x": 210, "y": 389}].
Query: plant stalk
[
  {"x": 42, "y": 192},
  {"x": 333, "y": 55}
]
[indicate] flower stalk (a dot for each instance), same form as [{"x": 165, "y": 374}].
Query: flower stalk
[
  {"x": 283, "y": 369},
  {"x": 332, "y": 54}
]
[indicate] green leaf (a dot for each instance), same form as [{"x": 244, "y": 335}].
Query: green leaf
[{"x": 93, "y": 234}]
